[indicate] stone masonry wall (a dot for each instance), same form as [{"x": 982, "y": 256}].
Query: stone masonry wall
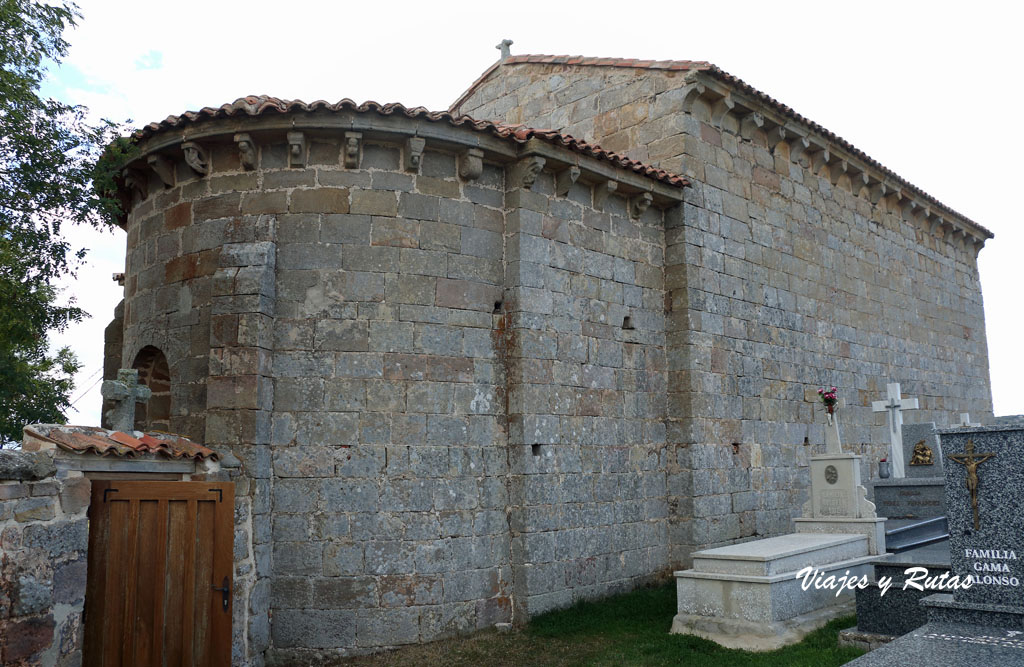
[
  {"x": 388, "y": 429},
  {"x": 783, "y": 276},
  {"x": 586, "y": 395},
  {"x": 44, "y": 538}
]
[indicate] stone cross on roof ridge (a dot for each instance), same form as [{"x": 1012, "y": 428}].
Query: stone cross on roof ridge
[
  {"x": 125, "y": 392},
  {"x": 895, "y": 405},
  {"x": 503, "y": 46}
]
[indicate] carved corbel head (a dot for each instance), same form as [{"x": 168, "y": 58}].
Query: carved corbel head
[
  {"x": 414, "y": 153},
  {"x": 163, "y": 167},
  {"x": 471, "y": 164},
  {"x": 137, "y": 184},
  {"x": 353, "y": 144},
  {"x": 601, "y": 192},
  {"x": 296, "y": 149},
  {"x": 639, "y": 204},
  {"x": 527, "y": 171},
  {"x": 196, "y": 157},
  {"x": 564, "y": 180},
  {"x": 246, "y": 151}
]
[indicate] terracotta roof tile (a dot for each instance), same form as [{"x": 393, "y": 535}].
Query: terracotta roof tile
[
  {"x": 103, "y": 442},
  {"x": 262, "y": 104},
  {"x": 736, "y": 82}
]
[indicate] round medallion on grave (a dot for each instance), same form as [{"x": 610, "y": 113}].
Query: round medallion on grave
[{"x": 831, "y": 474}]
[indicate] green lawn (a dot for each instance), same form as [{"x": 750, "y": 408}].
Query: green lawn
[{"x": 630, "y": 629}]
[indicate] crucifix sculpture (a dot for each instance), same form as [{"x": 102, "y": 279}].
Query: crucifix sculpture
[
  {"x": 125, "y": 392},
  {"x": 895, "y": 406},
  {"x": 971, "y": 461}
]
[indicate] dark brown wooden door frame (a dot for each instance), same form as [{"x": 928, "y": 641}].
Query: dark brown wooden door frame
[{"x": 147, "y": 541}]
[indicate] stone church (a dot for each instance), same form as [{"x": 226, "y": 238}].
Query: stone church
[{"x": 467, "y": 371}]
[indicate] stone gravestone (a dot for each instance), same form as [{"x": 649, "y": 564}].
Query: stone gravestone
[
  {"x": 895, "y": 405},
  {"x": 985, "y": 497},
  {"x": 983, "y": 624},
  {"x": 125, "y": 392},
  {"x": 921, "y": 494},
  {"x": 838, "y": 502}
]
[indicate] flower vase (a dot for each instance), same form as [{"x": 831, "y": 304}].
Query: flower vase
[{"x": 883, "y": 469}]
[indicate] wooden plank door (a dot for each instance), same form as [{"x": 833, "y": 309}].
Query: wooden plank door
[{"x": 158, "y": 552}]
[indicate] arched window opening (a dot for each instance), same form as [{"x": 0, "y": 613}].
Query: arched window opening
[{"x": 154, "y": 415}]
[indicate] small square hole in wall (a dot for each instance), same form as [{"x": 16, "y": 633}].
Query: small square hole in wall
[
  {"x": 627, "y": 322},
  {"x": 535, "y": 450},
  {"x": 497, "y": 308}
]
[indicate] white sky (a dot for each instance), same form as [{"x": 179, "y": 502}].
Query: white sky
[{"x": 930, "y": 90}]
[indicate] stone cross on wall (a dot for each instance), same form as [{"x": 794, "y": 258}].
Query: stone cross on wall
[
  {"x": 895, "y": 405},
  {"x": 965, "y": 420},
  {"x": 125, "y": 392}
]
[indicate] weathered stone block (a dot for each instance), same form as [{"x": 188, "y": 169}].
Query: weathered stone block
[
  {"x": 314, "y": 628},
  {"x": 466, "y": 294},
  {"x": 320, "y": 200},
  {"x": 23, "y": 465},
  {"x": 374, "y": 202}
]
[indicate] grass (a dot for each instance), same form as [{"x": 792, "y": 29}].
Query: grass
[{"x": 630, "y": 629}]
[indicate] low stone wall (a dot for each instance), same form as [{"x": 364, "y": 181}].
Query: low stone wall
[{"x": 44, "y": 537}]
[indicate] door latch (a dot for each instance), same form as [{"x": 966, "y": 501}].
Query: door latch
[{"x": 225, "y": 591}]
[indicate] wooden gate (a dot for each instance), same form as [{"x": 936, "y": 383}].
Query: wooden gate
[{"x": 160, "y": 574}]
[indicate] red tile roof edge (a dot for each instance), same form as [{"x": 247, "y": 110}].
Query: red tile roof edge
[
  {"x": 256, "y": 105},
  {"x": 725, "y": 77},
  {"x": 104, "y": 442}
]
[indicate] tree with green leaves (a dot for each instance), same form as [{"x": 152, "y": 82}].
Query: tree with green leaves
[{"x": 51, "y": 174}]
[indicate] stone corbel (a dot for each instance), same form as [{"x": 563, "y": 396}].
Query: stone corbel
[
  {"x": 601, "y": 192},
  {"x": 414, "y": 153},
  {"x": 471, "y": 164},
  {"x": 818, "y": 158},
  {"x": 164, "y": 168},
  {"x": 694, "y": 93},
  {"x": 921, "y": 216},
  {"x": 721, "y": 109},
  {"x": 858, "y": 181},
  {"x": 353, "y": 145},
  {"x": 527, "y": 170},
  {"x": 907, "y": 208},
  {"x": 976, "y": 245},
  {"x": 877, "y": 191},
  {"x": 639, "y": 204},
  {"x": 751, "y": 124},
  {"x": 137, "y": 183},
  {"x": 937, "y": 224},
  {"x": 564, "y": 180},
  {"x": 836, "y": 171},
  {"x": 246, "y": 151},
  {"x": 296, "y": 149},
  {"x": 798, "y": 148},
  {"x": 196, "y": 157},
  {"x": 893, "y": 198}
]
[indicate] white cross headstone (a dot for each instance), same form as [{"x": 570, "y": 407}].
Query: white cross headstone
[
  {"x": 895, "y": 405},
  {"x": 965, "y": 420}
]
